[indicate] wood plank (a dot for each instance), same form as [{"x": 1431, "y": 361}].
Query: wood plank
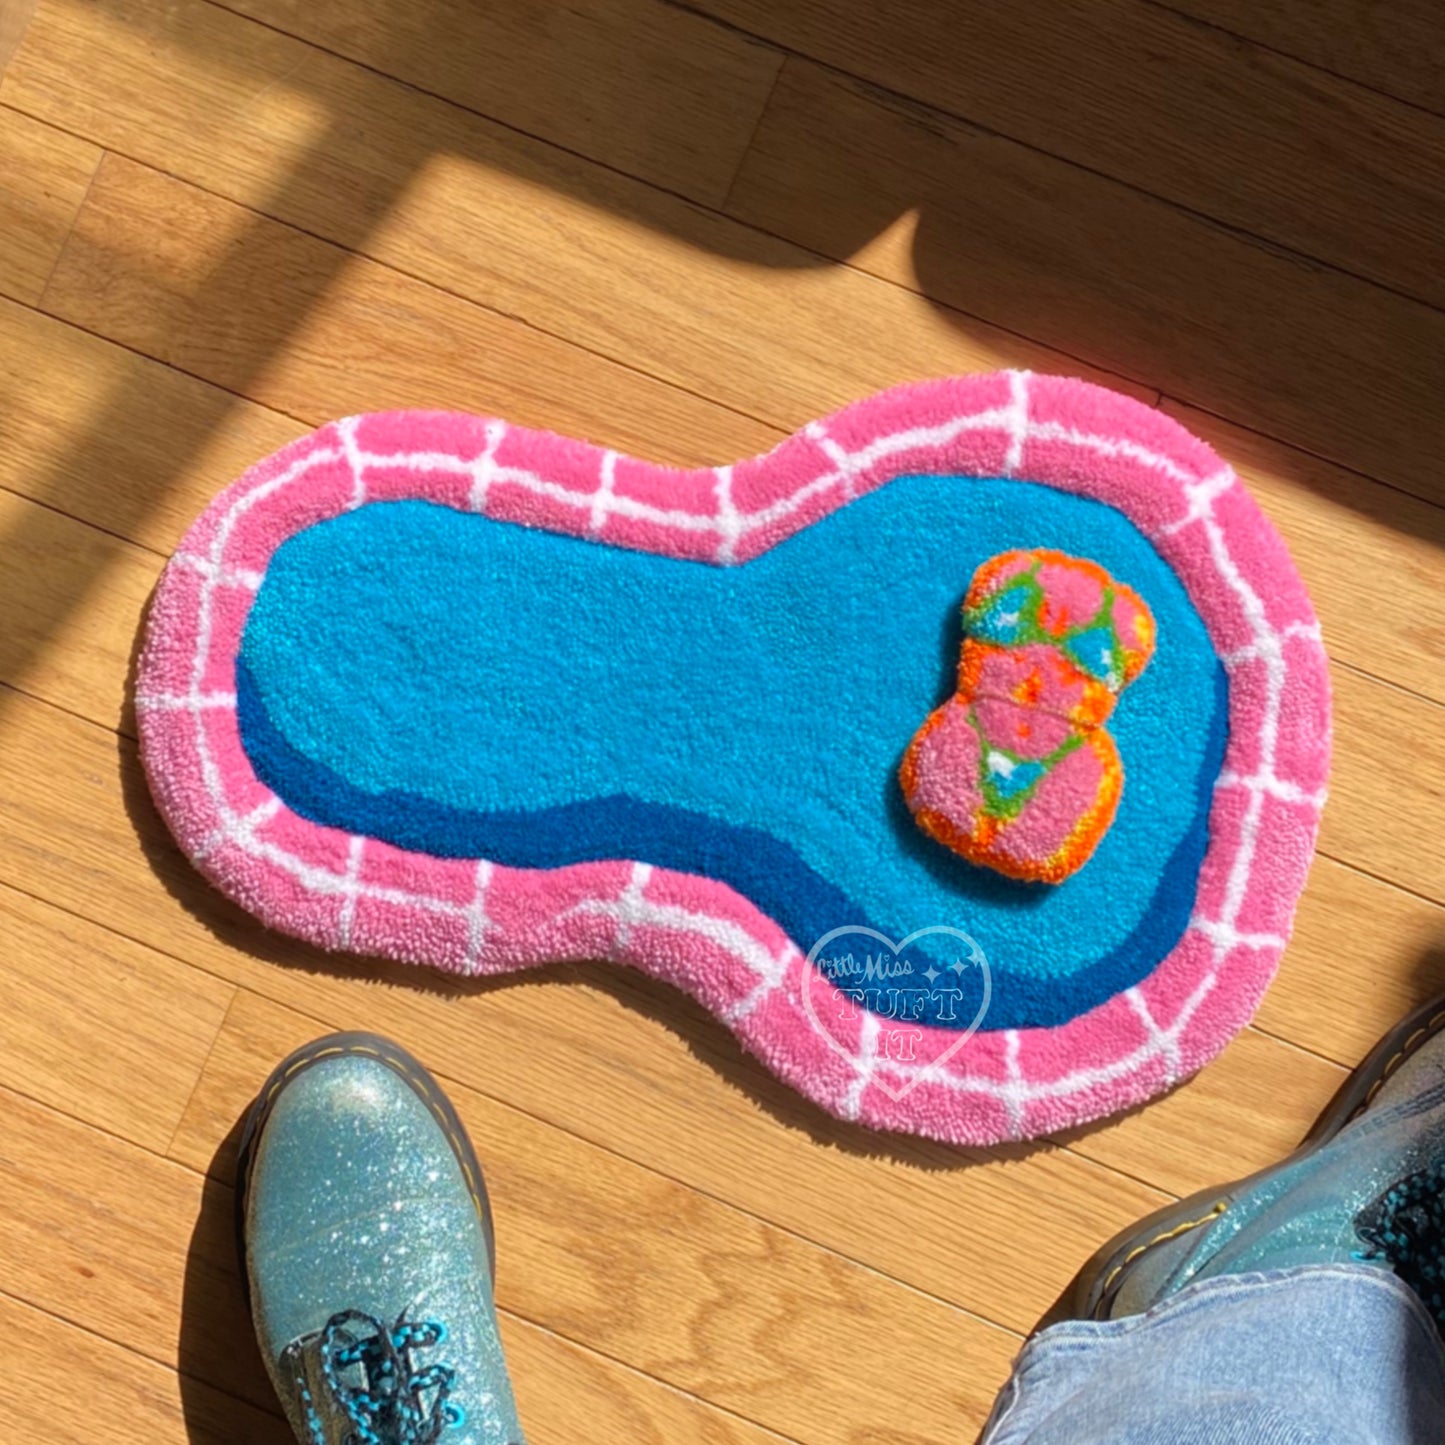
[
  {"x": 100, "y": 1027},
  {"x": 1373, "y": 558},
  {"x": 583, "y": 1061},
  {"x": 717, "y": 1304},
  {"x": 1394, "y": 46},
  {"x": 635, "y": 84},
  {"x": 294, "y": 323},
  {"x": 635, "y": 1068},
  {"x": 606, "y": 1401},
  {"x": 73, "y": 599},
  {"x": 1363, "y": 955},
  {"x": 125, "y": 1396},
  {"x": 14, "y": 18},
  {"x": 130, "y": 1397},
  {"x": 647, "y": 87},
  {"x": 1244, "y": 1111},
  {"x": 1320, "y": 359},
  {"x": 124, "y": 1244},
  {"x": 1386, "y": 811},
  {"x": 43, "y": 176},
  {"x": 123, "y": 442},
  {"x": 510, "y": 223},
  {"x": 1165, "y": 105}
]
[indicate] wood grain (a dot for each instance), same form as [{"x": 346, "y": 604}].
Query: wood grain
[
  {"x": 1363, "y": 955},
  {"x": 1249, "y": 1140},
  {"x": 99, "y": 1027},
  {"x": 1247, "y": 1109},
  {"x": 294, "y": 323},
  {"x": 120, "y": 1243},
  {"x": 641, "y": 85},
  {"x": 606, "y": 1400},
  {"x": 1394, "y": 46},
  {"x": 634, "y": 84},
  {"x": 14, "y": 17},
  {"x": 125, "y": 1396},
  {"x": 115, "y": 1240},
  {"x": 1387, "y": 790},
  {"x": 515, "y": 225},
  {"x": 1312, "y": 356},
  {"x": 73, "y": 600},
  {"x": 43, "y": 176},
  {"x": 129, "y": 1398},
  {"x": 108, "y": 436},
  {"x": 1176, "y": 109}
]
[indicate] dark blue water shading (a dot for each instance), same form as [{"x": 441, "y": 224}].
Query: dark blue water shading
[{"x": 471, "y": 688}]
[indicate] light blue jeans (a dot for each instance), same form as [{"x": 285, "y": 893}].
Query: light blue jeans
[{"x": 1322, "y": 1354}]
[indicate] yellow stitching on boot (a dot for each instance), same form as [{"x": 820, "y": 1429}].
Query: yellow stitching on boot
[
  {"x": 423, "y": 1087},
  {"x": 1161, "y": 1238},
  {"x": 1424, "y": 1032},
  {"x": 1408, "y": 1047}
]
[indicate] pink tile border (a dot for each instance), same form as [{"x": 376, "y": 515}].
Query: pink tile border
[{"x": 359, "y": 894}]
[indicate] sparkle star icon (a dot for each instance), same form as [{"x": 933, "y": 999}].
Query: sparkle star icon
[
  {"x": 931, "y": 973},
  {"x": 958, "y": 965}
]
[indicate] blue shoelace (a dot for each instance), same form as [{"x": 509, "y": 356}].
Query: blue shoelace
[
  {"x": 1406, "y": 1226},
  {"x": 373, "y": 1378}
]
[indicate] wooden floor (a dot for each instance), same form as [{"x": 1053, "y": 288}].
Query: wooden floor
[{"x": 679, "y": 230}]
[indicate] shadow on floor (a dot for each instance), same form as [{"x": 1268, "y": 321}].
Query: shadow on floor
[
  {"x": 1038, "y": 264},
  {"x": 225, "y": 1394}
]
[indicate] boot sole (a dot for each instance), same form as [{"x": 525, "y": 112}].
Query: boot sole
[
  {"x": 416, "y": 1076},
  {"x": 1090, "y": 1293}
]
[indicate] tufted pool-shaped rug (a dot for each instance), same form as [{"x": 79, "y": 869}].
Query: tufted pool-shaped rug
[{"x": 964, "y": 755}]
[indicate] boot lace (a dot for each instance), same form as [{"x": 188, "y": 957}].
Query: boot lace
[
  {"x": 1406, "y": 1226},
  {"x": 374, "y": 1379}
]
